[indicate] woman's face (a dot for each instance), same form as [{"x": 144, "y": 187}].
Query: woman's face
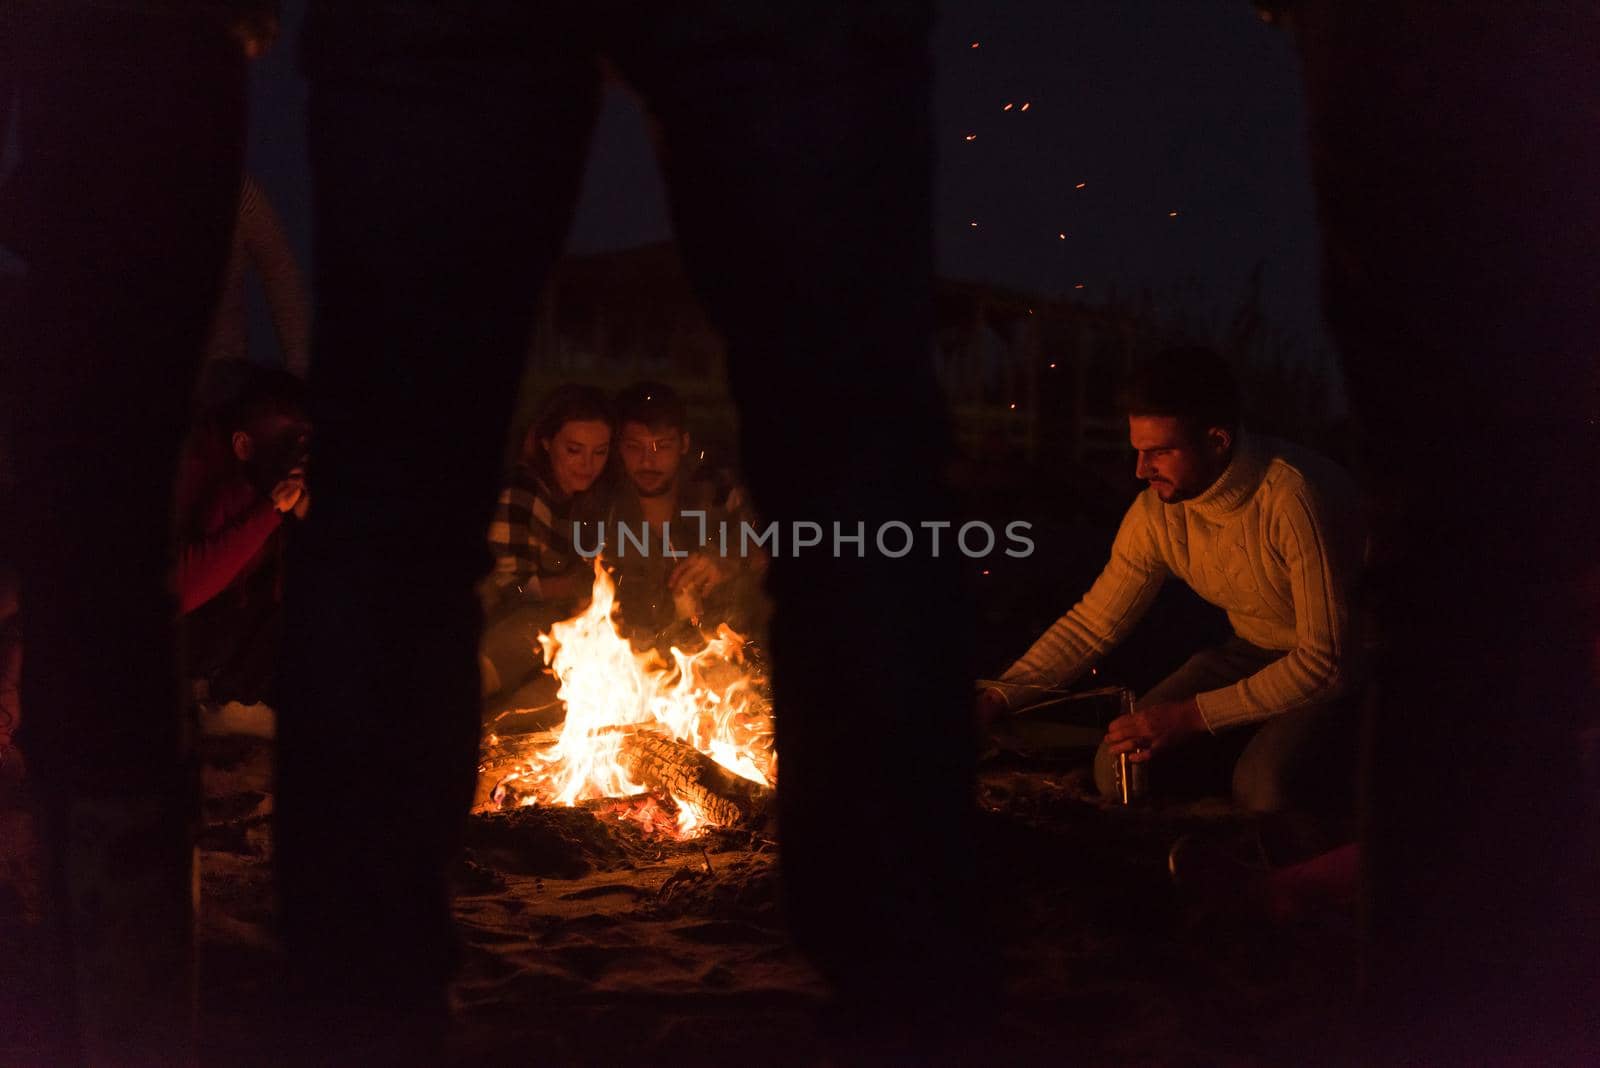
[{"x": 578, "y": 454}]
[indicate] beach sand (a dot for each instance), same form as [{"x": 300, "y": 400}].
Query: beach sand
[{"x": 590, "y": 939}]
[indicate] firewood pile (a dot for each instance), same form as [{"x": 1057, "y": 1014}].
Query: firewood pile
[{"x": 674, "y": 770}]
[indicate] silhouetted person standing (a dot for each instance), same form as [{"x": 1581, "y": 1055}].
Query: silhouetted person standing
[
  {"x": 120, "y": 212},
  {"x": 447, "y": 141},
  {"x": 1455, "y": 162}
]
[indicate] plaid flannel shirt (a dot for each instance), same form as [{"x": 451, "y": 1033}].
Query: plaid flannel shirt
[{"x": 524, "y": 537}]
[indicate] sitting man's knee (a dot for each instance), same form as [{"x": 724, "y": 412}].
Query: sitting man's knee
[
  {"x": 1305, "y": 760},
  {"x": 1261, "y": 785}
]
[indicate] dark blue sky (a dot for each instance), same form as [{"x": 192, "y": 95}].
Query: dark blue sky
[{"x": 1157, "y": 106}]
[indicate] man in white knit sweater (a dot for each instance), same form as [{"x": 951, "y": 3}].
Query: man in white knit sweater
[{"x": 1269, "y": 533}]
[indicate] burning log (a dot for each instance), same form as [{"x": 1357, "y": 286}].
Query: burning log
[
  {"x": 692, "y": 726},
  {"x": 690, "y": 776}
]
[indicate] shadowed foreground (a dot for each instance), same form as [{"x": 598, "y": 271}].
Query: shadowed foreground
[{"x": 589, "y": 939}]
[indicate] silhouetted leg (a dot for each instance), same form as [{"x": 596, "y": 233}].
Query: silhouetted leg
[
  {"x": 235, "y": 648},
  {"x": 446, "y": 143},
  {"x": 122, "y": 208},
  {"x": 798, "y": 157},
  {"x": 1455, "y": 168}
]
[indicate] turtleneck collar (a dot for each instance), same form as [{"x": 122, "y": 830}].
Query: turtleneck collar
[{"x": 1238, "y": 480}]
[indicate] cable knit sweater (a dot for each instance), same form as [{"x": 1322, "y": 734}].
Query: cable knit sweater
[{"x": 1275, "y": 542}]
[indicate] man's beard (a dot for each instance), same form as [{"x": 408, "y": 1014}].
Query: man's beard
[{"x": 660, "y": 489}]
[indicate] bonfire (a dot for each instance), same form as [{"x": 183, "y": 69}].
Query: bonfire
[{"x": 689, "y": 733}]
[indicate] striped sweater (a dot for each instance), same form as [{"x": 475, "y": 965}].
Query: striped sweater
[{"x": 1275, "y": 542}]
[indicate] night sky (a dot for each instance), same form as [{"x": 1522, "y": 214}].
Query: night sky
[{"x": 1157, "y": 106}]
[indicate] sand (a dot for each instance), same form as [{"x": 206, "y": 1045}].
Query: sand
[{"x": 590, "y": 939}]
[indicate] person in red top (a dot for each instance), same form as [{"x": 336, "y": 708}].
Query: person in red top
[{"x": 242, "y": 476}]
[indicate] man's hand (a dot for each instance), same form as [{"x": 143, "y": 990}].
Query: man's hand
[
  {"x": 697, "y": 574},
  {"x": 991, "y": 705},
  {"x": 286, "y": 494},
  {"x": 1154, "y": 727}
]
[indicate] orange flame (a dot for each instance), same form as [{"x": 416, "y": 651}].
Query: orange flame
[{"x": 709, "y": 700}]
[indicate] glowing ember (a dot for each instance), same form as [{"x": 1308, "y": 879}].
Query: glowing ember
[{"x": 708, "y": 700}]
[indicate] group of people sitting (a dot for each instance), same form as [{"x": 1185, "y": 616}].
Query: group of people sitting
[
  {"x": 1268, "y": 532},
  {"x": 619, "y": 469}
]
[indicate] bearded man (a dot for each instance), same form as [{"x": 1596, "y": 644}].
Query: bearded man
[
  {"x": 1270, "y": 533},
  {"x": 680, "y": 559}
]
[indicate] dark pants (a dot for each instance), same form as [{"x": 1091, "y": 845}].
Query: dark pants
[
  {"x": 510, "y": 641},
  {"x": 1455, "y": 165},
  {"x": 233, "y": 642},
  {"x": 447, "y": 143},
  {"x": 1303, "y": 760},
  {"x": 122, "y": 208}
]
